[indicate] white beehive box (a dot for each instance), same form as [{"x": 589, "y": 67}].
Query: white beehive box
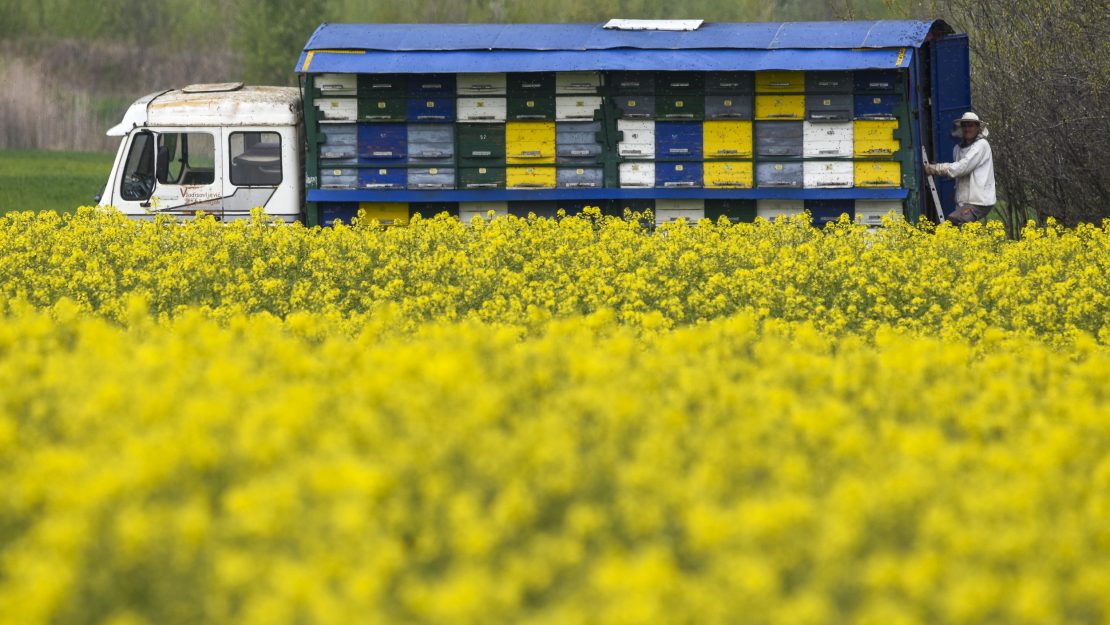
[
  {"x": 637, "y": 175},
  {"x": 577, "y": 82},
  {"x": 871, "y": 212},
  {"x": 480, "y": 84},
  {"x": 671, "y": 210},
  {"x": 771, "y": 209},
  {"x": 639, "y": 138},
  {"x": 576, "y": 108},
  {"x": 489, "y": 110},
  {"x": 828, "y": 174},
  {"x": 337, "y": 84},
  {"x": 470, "y": 210},
  {"x": 827, "y": 140},
  {"x": 337, "y": 109}
]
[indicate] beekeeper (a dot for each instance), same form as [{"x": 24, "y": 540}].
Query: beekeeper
[{"x": 972, "y": 168}]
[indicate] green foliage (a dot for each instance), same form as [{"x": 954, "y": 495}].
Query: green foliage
[
  {"x": 270, "y": 32},
  {"x": 61, "y": 181},
  {"x": 1040, "y": 76}
]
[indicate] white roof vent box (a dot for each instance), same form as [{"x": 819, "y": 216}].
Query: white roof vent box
[
  {"x": 674, "y": 25},
  {"x": 213, "y": 87}
]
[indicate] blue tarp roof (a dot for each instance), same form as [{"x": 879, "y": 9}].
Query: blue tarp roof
[{"x": 424, "y": 48}]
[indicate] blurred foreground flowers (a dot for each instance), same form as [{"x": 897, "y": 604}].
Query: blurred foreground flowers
[{"x": 551, "y": 422}]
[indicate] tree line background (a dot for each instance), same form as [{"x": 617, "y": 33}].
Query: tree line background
[{"x": 1041, "y": 71}]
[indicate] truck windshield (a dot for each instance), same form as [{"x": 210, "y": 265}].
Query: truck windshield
[{"x": 138, "y": 174}]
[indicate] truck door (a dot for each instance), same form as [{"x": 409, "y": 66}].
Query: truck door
[
  {"x": 950, "y": 66},
  {"x": 188, "y": 174},
  {"x": 170, "y": 171},
  {"x": 260, "y": 172}
]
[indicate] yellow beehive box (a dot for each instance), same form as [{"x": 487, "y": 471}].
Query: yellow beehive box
[
  {"x": 780, "y": 82},
  {"x": 780, "y": 107},
  {"x": 530, "y": 142},
  {"x": 387, "y": 213},
  {"x": 530, "y": 177},
  {"x": 874, "y": 138},
  {"x": 727, "y": 139},
  {"x": 882, "y": 174},
  {"x": 728, "y": 175}
]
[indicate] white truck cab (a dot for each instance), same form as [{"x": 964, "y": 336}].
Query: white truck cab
[{"x": 223, "y": 149}]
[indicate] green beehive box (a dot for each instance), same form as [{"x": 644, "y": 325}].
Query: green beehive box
[
  {"x": 679, "y": 107},
  {"x": 735, "y": 210},
  {"x": 382, "y": 109},
  {"x": 535, "y": 107},
  {"x": 484, "y": 142},
  {"x": 530, "y": 83},
  {"x": 382, "y": 85},
  {"x": 680, "y": 82},
  {"x": 482, "y": 177}
]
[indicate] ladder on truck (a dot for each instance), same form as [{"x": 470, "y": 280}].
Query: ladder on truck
[{"x": 932, "y": 188}]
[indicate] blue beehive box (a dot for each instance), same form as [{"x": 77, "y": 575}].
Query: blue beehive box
[
  {"x": 779, "y": 138},
  {"x": 678, "y": 175},
  {"x": 332, "y": 213},
  {"x": 786, "y": 175},
  {"x": 382, "y": 142},
  {"x": 382, "y": 177},
  {"x": 876, "y": 106},
  {"x": 431, "y": 143},
  {"x": 338, "y": 141},
  {"x": 430, "y": 109},
  {"x": 824, "y": 211},
  {"x": 339, "y": 173},
  {"x": 678, "y": 140},
  {"x": 877, "y": 80}
]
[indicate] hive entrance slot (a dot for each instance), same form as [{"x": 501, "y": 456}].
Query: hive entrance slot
[{"x": 676, "y": 25}]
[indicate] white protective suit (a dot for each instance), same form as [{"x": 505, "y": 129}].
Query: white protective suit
[{"x": 973, "y": 169}]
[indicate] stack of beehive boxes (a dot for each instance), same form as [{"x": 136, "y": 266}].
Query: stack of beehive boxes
[
  {"x": 767, "y": 130},
  {"x": 633, "y": 130}
]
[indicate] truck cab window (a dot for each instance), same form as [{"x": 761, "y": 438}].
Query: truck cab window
[
  {"x": 255, "y": 159},
  {"x": 186, "y": 158},
  {"x": 137, "y": 182}
]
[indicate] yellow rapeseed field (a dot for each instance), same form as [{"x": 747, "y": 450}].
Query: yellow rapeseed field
[{"x": 552, "y": 422}]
